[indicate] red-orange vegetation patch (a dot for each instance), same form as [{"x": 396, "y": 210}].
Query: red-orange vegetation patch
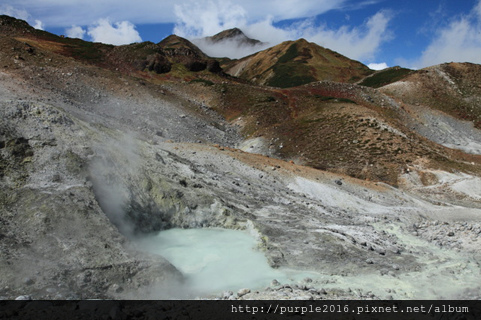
[
  {"x": 46, "y": 45},
  {"x": 332, "y": 93}
]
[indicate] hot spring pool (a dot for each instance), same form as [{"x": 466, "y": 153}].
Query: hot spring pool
[{"x": 215, "y": 260}]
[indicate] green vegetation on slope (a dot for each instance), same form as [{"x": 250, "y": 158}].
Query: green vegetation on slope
[
  {"x": 385, "y": 77},
  {"x": 290, "y": 73},
  {"x": 290, "y": 54},
  {"x": 84, "y": 50}
]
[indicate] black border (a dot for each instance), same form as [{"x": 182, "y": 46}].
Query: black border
[{"x": 241, "y": 309}]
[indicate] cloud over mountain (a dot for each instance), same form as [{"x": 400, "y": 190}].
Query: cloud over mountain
[
  {"x": 410, "y": 33},
  {"x": 75, "y": 32},
  {"x": 117, "y": 33},
  {"x": 378, "y": 66},
  {"x": 359, "y": 42}
]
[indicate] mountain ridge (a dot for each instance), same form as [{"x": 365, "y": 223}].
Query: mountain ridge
[
  {"x": 176, "y": 60},
  {"x": 294, "y": 63}
]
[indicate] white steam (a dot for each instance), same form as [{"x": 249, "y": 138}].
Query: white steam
[
  {"x": 113, "y": 163},
  {"x": 214, "y": 260}
]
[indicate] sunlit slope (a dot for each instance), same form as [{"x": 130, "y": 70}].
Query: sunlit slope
[
  {"x": 453, "y": 88},
  {"x": 368, "y": 133},
  {"x": 343, "y": 128},
  {"x": 294, "y": 63}
]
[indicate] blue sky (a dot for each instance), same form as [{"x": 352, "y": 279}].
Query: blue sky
[{"x": 409, "y": 33}]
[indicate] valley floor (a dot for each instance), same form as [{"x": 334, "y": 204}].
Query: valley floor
[{"x": 88, "y": 168}]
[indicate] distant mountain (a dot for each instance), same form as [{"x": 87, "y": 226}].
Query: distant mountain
[
  {"x": 294, "y": 63},
  {"x": 232, "y": 43},
  {"x": 179, "y": 45},
  {"x": 162, "y": 57},
  {"x": 236, "y": 35},
  {"x": 179, "y": 50}
]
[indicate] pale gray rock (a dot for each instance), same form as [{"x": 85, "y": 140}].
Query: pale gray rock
[{"x": 243, "y": 292}]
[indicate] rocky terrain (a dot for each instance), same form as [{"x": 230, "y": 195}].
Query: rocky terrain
[{"x": 376, "y": 190}]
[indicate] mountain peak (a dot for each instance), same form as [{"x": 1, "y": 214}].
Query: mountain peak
[
  {"x": 174, "y": 42},
  {"x": 294, "y": 63},
  {"x": 302, "y": 40},
  {"x": 230, "y": 33},
  {"x": 234, "y": 34}
]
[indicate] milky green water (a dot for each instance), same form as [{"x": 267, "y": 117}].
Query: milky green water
[{"x": 215, "y": 260}]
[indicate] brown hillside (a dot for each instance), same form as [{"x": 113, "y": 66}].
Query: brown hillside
[
  {"x": 294, "y": 63},
  {"x": 171, "y": 54},
  {"x": 340, "y": 127},
  {"x": 453, "y": 88}
]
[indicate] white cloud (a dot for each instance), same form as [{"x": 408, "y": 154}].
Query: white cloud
[
  {"x": 14, "y": 12},
  {"x": 75, "y": 32},
  {"x": 64, "y": 13},
  {"x": 38, "y": 25},
  {"x": 228, "y": 48},
  {"x": 378, "y": 66},
  {"x": 265, "y": 31},
  {"x": 205, "y": 19},
  {"x": 477, "y": 9},
  {"x": 119, "y": 33},
  {"x": 459, "y": 41},
  {"x": 359, "y": 43}
]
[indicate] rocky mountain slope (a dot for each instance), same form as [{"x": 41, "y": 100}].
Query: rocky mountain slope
[
  {"x": 294, "y": 63},
  {"x": 100, "y": 145}
]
